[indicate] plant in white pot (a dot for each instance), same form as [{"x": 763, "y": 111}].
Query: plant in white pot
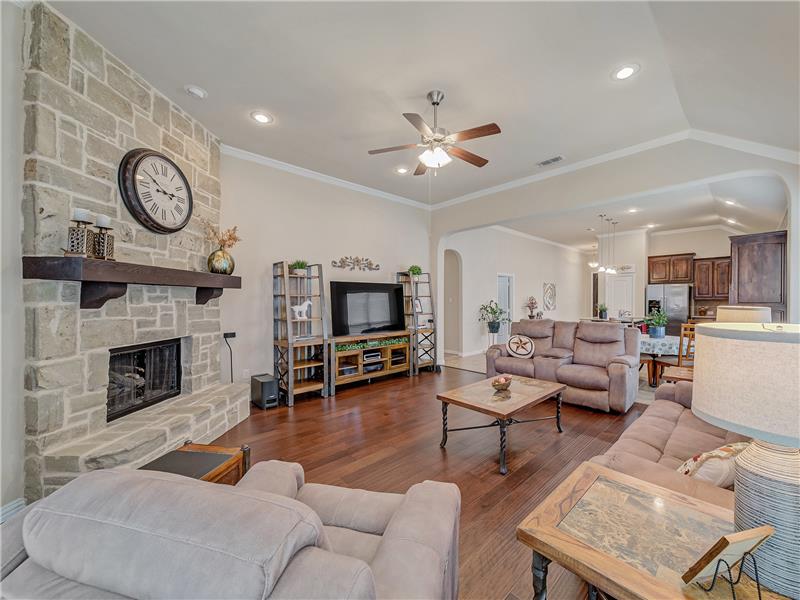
[
  {"x": 415, "y": 271},
  {"x": 493, "y": 315},
  {"x": 299, "y": 267}
]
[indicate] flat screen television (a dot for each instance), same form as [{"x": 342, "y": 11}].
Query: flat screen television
[{"x": 358, "y": 307}]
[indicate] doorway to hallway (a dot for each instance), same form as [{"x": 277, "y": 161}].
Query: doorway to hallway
[{"x": 505, "y": 298}]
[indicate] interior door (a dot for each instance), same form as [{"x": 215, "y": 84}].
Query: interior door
[
  {"x": 619, "y": 295},
  {"x": 505, "y": 293}
]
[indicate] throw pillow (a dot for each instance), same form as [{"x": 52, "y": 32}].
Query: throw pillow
[
  {"x": 520, "y": 346},
  {"x": 716, "y": 466}
]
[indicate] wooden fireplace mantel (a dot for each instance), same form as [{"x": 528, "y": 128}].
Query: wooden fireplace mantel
[{"x": 103, "y": 280}]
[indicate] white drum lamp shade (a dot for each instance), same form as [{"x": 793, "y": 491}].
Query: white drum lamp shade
[
  {"x": 747, "y": 380},
  {"x": 744, "y": 314}
]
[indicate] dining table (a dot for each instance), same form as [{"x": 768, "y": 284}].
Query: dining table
[{"x": 656, "y": 347}]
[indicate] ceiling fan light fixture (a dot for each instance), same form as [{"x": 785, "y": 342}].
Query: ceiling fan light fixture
[{"x": 435, "y": 158}]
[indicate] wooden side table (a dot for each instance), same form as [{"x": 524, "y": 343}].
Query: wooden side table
[
  {"x": 628, "y": 538},
  {"x": 678, "y": 374},
  {"x": 216, "y": 464}
]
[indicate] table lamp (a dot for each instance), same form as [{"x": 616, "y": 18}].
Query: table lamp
[
  {"x": 744, "y": 314},
  {"x": 747, "y": 380}
]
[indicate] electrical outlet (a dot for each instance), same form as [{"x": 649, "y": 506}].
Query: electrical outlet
[
  {"x": 229, "y": 334},
  {"x": 245, "y": 373}
]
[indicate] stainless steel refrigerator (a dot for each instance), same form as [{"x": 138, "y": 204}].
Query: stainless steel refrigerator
[{"x": 674, "y": 299}]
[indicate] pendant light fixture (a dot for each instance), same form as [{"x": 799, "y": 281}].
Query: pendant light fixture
[
  {"x": 594, "y": 263},
  {"x": 612, "y": 269},
  {"x": 602, "y": 267}
]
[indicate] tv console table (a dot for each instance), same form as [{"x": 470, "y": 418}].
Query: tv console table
[{"x": 367, "y": 356}]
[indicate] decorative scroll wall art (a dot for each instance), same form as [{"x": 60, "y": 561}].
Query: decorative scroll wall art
[
  {"x": 355, "y": 263},
  {"x": 549, "y": 296}
]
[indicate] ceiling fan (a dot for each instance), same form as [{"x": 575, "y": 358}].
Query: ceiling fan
[{"x": 438, "y": 142}]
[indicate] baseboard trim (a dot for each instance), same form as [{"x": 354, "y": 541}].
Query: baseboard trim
[
  {"x": 474, "y": 353},
  {"x": 10, "y": 509}
]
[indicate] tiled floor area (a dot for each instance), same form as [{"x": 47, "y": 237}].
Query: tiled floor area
[{"x": 477, "y": 364}]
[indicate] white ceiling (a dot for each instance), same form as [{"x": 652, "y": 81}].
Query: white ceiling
[
  {"x": 337, "y": 77},
  {"x": 759, "y": 205}
]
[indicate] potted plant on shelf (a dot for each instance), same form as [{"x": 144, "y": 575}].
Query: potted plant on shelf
[
  {"x": 415, "y": 271},
  {"x": 299, "y": 267},
  {"x": 656, "y": 323},
  {"x": 602, "y": 311},
  {"x": 532, "y": 304},
  {"x": 491, "y": 314}
]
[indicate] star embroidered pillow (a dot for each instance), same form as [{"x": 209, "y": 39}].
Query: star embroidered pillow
[{"x": 520, "y": 346}]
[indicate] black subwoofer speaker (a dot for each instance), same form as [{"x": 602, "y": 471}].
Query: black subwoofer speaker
[{"x": 264, "y": 391}]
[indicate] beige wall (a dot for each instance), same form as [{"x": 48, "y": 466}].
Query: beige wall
[
  {"x": 630, "y": 248},
  {"x": 706, "y": 243},
  {"x": 452, "y": 301},
  {"x": 11, "y": 326},
  {"x": 488, "y": 251},
  {"x": 284, "y": 216}
]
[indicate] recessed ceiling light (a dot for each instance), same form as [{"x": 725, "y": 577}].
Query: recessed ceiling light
[
  {"x": 195, "y": 91},
  {"x": 261, "y": 117},
  {"x": 625, "y": 71},
  {"x": 401, "y": 170},
  {"x": 651, "y": 225},
  {"x": 731, "y": 221},
  {"x": 730, "y": 202},
  {"x": 633, "y": 210}
]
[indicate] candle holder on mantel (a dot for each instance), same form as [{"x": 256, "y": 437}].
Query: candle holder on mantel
[
  {"x": 80, "y": 239},
  {"x": 104, "y": 243}
]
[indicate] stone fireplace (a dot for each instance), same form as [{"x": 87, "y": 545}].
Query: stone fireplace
[{"x": 83, "y": 110}]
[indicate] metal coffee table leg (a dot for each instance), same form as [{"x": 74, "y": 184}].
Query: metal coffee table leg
[
  {"x": 444, "y": 425},
  {"x": 539, "y": 571},
  {"x": 558, "y": 413},
  {"x": 503, "y": 427}
]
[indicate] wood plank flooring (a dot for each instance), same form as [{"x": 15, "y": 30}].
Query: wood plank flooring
[{"x": 385, "y": 437}]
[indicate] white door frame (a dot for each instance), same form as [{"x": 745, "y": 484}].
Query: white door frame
[{"x": 512, "y": 290}]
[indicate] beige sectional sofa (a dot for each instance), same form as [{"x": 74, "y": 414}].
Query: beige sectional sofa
[
  {"x": 666, "y": 435},
  {"x": 122, "y": 533},
  {"x": 599, "y": 362}
]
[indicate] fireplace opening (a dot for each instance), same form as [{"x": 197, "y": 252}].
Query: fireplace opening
[{"x": 142, "y": 375}]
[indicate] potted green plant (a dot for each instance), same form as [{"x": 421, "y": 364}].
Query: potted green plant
[
  {"x": 656, "y": 323},
  {"x": 491, "y": 314},
  {"x": 602, "y": 311},
  {"x": 415, "y": 271},
  {"x": 299, "y": 267}
]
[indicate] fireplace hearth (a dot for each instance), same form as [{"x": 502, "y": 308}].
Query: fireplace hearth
[{"x": 142, "y": 375}]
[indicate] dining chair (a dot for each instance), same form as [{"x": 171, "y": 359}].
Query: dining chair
[{"x": 685, "y": 357}]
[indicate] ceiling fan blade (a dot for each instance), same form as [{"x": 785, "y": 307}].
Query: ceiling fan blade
[
  {"x": 420, "y": 170},
  {"x": 475, "y": 132},
  {"x": 392, "y": 149},
  {"x": 419, "y": 123},
  {"x": 467, "y": 156}
]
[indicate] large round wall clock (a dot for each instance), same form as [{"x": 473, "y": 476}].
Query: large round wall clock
[{"x": 155, "y": 190}]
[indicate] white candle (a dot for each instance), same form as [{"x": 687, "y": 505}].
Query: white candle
[
  {"x": 103, "y": 221},
  {"x": 81, "y": 214}
]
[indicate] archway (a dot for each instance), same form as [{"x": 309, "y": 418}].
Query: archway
[{"x": 452, "y": 307}]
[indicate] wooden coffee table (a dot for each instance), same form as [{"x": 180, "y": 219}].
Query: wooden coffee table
[
  {"x": 502, "y": 405},
  {"x": 628, "y": 538}
]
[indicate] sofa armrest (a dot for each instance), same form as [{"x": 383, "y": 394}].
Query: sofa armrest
[
  {"x": 12, "y": 549},
  {"x": 317, "y": 574},
  {"x": 418, "y": 555},
  {"x": 680, "y": 393},
  {"x": 492, "y": 354},
  {"x": 275, "y": 477},
  {"x": 626, "y": 359}
]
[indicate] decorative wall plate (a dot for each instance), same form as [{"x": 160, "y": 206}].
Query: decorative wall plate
[{"x": 354, "y": 263}]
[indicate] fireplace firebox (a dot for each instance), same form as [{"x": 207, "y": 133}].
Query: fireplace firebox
[{"x": 142, "y": 375}]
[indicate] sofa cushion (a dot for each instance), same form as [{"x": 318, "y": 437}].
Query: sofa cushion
[
  {"x": 557, "y": 353},
  {"x": 315, "y": 573},
  {"x": 564, "y": 334},
  {"x": 353, "y": 543},
  {"x": 597, "y": 343},
  {"x": 514, "y": 366},
  {"x": 273, "y": 476},
  {"x": 361, "y": 510},
  {"x": 600, "y": 333},
  {"x": 583, "y": 376},
  {"x": 539, "y": 330},
  {"x": 546, "y": 368},
  {"x": 31, "y": 580},
  {"x": 146, "y": 534}
]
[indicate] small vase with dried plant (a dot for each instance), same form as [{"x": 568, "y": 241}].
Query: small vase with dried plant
[{"x": 220, "y": 261}]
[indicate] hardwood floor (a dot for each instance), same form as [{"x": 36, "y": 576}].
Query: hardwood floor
[{"x": 385, "y": 437}]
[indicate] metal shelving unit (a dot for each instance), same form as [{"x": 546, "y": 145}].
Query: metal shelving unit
[
  {"x": 300, "y": 346},
  {"x": 418, "y": 306}
]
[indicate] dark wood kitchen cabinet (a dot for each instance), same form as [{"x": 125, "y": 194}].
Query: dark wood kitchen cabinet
[
  {"x": 758, "y": 271},
  {"x": 671, "y": 268},
  {"x": 712, "y": 278}
]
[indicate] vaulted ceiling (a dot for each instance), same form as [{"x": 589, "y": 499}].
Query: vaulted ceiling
[{"x": 337, "y": 76}]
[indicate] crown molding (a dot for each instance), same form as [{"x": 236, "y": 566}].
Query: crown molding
[
  {"x": 698, "y": 228},
  {"x": 734, "y": 143},
  {"x": 528, "y": 236},
  {"x": 309, "y": 174},
  {"x": 639, "y": 231}
]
